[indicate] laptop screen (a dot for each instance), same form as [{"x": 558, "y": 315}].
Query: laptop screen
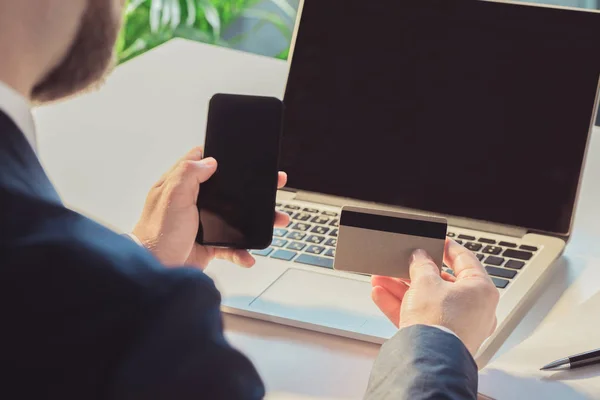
[{"x": 460, "y": 107}]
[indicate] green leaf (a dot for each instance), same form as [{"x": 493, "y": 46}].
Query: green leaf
[
  {"x": 149, "y": 23},
  {"x": 212, "y": 17},
  {"x": 174, "y": 13},
  {"x": 132, "y": 5},
  {"x": 191, "y": 13},
  {"x": 284, "y": 55}
]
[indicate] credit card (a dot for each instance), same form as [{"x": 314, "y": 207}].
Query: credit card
[{"x": 376, "y": 242}]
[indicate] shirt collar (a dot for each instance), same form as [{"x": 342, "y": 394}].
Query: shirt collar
[{"x": 18, "y": 109}]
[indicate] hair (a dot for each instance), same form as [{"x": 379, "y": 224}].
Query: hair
[{"x": 89, "y": 58}]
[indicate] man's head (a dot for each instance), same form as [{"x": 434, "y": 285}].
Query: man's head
[{"x": 56, "y": 48}]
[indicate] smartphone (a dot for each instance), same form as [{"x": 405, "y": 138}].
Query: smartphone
[{"x": 237, "y": 204}]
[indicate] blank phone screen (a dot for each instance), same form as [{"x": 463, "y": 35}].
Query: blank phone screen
[{"x": 237, "y": 204}]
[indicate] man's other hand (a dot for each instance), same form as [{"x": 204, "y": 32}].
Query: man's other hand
[
  {"x": 465, "y": 303},
  {"x": 170, "y": 219}
]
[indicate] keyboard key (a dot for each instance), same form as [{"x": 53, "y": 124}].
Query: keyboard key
[
  {"x": 288, "y": 212},
  {"x": 518, "y": 254},
  {"x": 301, "y": 227},
  {"x": 315, "y": 249},
  {"x": 263, "y": 253},
  {"x": 291, "y": 207},
  {"x": 285, "y": 255},
  {"x": 451, "y": 234},
  {"x": 278, "y": 204},
  {"x": 320, "y": 220},
  {"x": 315, "y": 239},
  {"x": 302, "y": 216},
  {"x": 296, "y": 246},
  {"x": 473, "y": 246},
  {"x": 335, "y": 222},
  {"x": 289, "y": 223},
  {"x": 501, "y": 272},
  {"x": 495, "y": 250},
  {"x": 330, "y": 253},
  {"x": 321, "y": 230},
  {"x": 279, "y": 242},
  {"x": 528, "y": 248},
  {"x": 487, "y": 241},
  {"x": 331, "y": 242},
  {"x": 493, "y": 260},
  {"x": 466, "y": 237},
  {"x": 330, "y": 213},
  {"x": 311, "y": 210},
  {"x": 500, "y": 283},
  {"x": 480, "y": 257},
  {"x": 334, "y": 233},
  {"x": 514, "y": 264},
  {"x": 317, "y": 261},
  {"x": 296, "y": 235},
  {"x": 459, "y": 241},
  {"x": 278, "y": 232},
  {"x": 507, "y": 244},
  {"x": 449, "y": 271}
]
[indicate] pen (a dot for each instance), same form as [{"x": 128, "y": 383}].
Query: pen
[{"x": 576, "y": 361}]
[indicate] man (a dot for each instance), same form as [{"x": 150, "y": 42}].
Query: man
[{"x": 90, "y": 314}]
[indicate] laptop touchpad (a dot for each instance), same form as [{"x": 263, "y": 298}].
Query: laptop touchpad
[{"x": 320, "y": 299}]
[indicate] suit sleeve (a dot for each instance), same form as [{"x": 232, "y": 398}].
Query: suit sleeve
[
  {"x": 182, "y": 354},
  {"x": 422, "y": 362}
]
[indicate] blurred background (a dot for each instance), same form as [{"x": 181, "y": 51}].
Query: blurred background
[{"x": 263, "y": 27}]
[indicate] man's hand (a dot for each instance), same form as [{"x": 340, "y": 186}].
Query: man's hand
[
  {"x": 170, "y": 219},
  {"x": 465, "y": 304}
]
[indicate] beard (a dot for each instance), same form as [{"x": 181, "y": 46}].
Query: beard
[{"x": 89, "y": 58}]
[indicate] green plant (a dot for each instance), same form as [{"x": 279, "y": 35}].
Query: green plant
[{"x": 149, "y": 23}]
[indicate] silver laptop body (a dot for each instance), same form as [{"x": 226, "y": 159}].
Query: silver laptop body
[{"x": 293, "y": 282}]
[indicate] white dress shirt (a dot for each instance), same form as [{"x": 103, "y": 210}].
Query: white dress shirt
[{"x": 17, "y": 108}]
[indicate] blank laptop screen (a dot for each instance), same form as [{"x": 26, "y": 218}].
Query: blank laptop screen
[{"x": 461, "y": 107}]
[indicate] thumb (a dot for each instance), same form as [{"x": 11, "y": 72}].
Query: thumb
[
  {"x": 205, "y": 169},
  {"x": 194, "y": 173},
  {"x": 422, "y": 267}
]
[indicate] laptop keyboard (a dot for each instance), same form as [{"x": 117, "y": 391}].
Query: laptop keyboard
[
  {"x": 502, "y": 259},
  {"x": 311, "y": 236}
]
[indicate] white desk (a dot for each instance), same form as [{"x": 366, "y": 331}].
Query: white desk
[{"x": 104, "y": 150}]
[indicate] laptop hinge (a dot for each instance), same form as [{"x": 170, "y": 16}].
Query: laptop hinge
[{"x": 452, "y": 221}]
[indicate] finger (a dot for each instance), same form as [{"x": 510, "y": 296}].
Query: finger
[
  {"x": 194, "y": 154},
  {"x": 281, "y": 180},
  {"x": 239, "y": 257},
  {"x": 387, "y": 303},
  {"x": 193, "y": 173},
  {"x": 282, "y": 219},
  {"x": 422, "y": 267},
  {"x": 462, "y": 261},
  {"x": 494, "y": 325},
  {"x": 395, "y": 286},
  {"x": 448, "y": 277},
  {"x": 202, "y": 256}
]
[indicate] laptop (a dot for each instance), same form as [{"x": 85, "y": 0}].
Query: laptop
[{"x": 476, "y": 111}]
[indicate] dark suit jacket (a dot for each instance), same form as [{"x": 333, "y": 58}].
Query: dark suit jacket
[
  {"x": 88, "y": 314},
  {"x": 423, "y": 362}
]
